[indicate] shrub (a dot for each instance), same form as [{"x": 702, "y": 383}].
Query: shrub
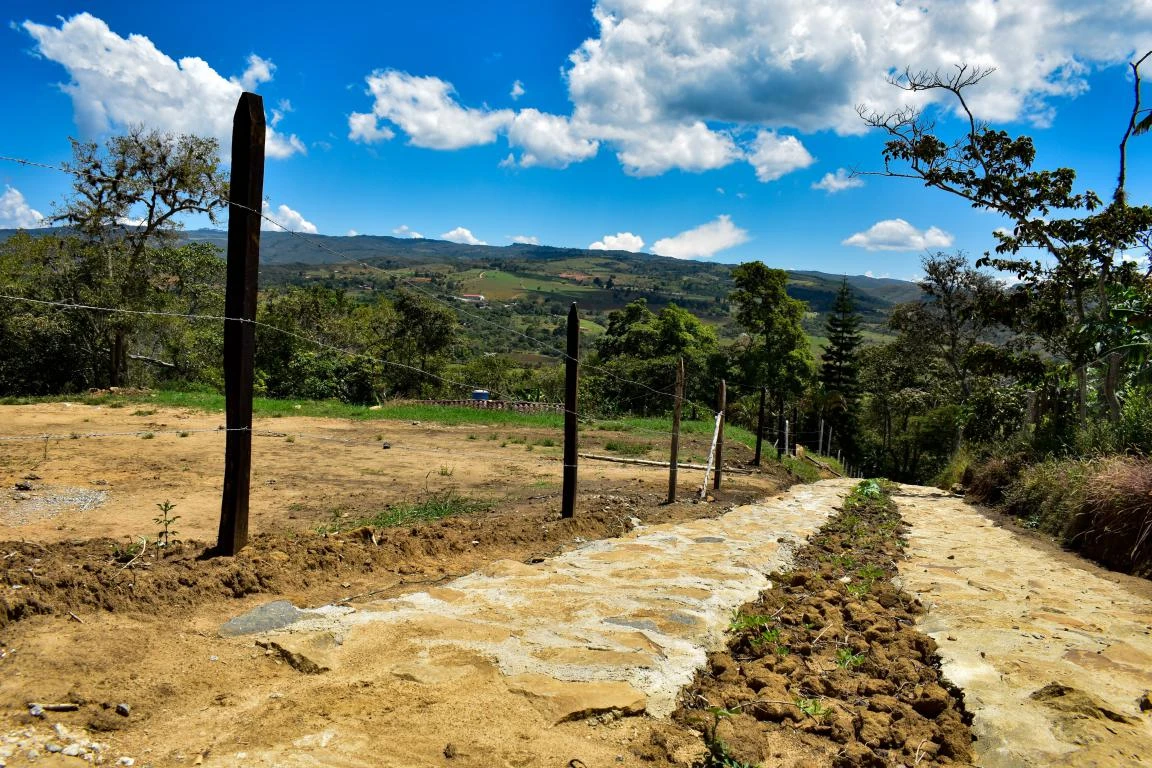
[
  {"x": 1114, "y": 525},
  {"x": 1050, "y": 494}
]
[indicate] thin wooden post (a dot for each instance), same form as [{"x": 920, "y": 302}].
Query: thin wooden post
[
  {"x": 571, "y": 384},
  {"x": 722, "y": 402},
  {"x": 760, "y": 425},
  {"x": 820, "y": 438},
  {"x": 786, "y": 426},
  {"x": 711, "y": 457},
  {"x": 246, "y": 193},
  {"x": 674, "y": 451}
]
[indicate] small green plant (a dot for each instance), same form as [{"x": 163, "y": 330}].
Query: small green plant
[
  {"x": 290, "y": 439},
  {"x": 845, "y": 659},
  {"x": 627, "y": 449},
  {"x": 494, "y": 436},
  {"x": 812, "y": 707},
  {"x": 717, "y": 755},
  {"x": 546, "y": 442},
  {"x": 127, "y": 553},
  {"x": 184, "y": 433},
  {"x": 447, "y": 471},
  {"x": 871, "y": 573},
  {"x": 167, "y": 535},
  {"x": 471, "y": 437},
  {"x": 143, "y": 412},
  {"x": 847, "y": 562},
  {"x": 147, "y": 436},
  {"x": 741, "y": 621},
  {"x": 859, "y": 589}
]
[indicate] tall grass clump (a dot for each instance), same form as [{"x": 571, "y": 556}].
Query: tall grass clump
[
  {"x": 1114, "y": 525},
  {"x": 1048, "y": 495}
]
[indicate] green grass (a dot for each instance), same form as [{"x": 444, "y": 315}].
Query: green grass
[
  {"x": 627, "y": 449},
  {"x": 435, "y": 507}
]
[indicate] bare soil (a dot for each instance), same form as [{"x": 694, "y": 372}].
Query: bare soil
[{"x": 827, "y": 669}]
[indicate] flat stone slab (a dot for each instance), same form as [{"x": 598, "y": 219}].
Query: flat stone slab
[
  {"x": 264, "y": 618},
  {"x": 564, "y": 701}
]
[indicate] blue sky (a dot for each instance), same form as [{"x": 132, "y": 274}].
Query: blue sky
[{"x": 695, "y": 127}]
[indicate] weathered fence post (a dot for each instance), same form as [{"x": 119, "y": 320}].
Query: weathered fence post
[
  {"x": 760, "y": 425},
  {"x": 571, "y": 385},
  {"x": 787, "y": 424},
  {"x": 674, "y": 451},
  {"x": 246, "y": 193},
  {"x": 779, "y": 427},
  {"x": 820, "y": 438},
  {"x": 722, "y": 402}
]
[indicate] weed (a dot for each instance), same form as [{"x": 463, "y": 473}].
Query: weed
[
  {"x": 859, "y": 589},
  {"x": 627, "y": 449},
  {"x": 290, "y": 439},
  {"x": 494, "y": 436},
  {"x": 471, "y": 437},
  {"x": 845, "y": 659},
  {"x": 435, "y": 507},
  {"x": 847, "y": 562},
  {"x": 184, "y": 433},
  {"x": 741, "y": 621},
  {"x": 147, "y": 436},
  {"x": 129, "y": 552},
  {"x": 167, "y": 536},
  {"x": 546, "y": 442},
  {"x": 812, "y": 707},
  {"x": 717, "y": 755},
  {"x": 447, "y": 471},
  {"x": 143, "y": 412},
  {"x": 74, "y": 436},
  {"x": 871, "y": 573}
]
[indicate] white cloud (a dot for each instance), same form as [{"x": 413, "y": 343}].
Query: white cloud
[
  {"x": 839, "y": 181},
  {"x": 898, "y": 235},
  {"x": 353, "y": 233},
  {"x": 363, "y": 127},
  {"x": 517, "y": 90},
  {"x": 117, "y": 82},
  {"x": 288, "y": 219},
  {"x": 655, "y": 149},
  {"x": 15, "y": 213},
  {"x": 548, "y": 140},
  {"x": 463, "y": 236},
  {"x": 774, "y": 155},
  {"x": 525, "y": 239},
  {"x": 404, "y": 231},
  {"x": 806, "y": 64},
  {"x": 424, "y": 108},
  {"x": 621, "y": 241},
  {"x": 703, "y": 241}
]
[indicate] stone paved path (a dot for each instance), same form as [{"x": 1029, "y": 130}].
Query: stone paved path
[
  {"x": 1012, "y": 618},
  {"x": 497, "y": 663}
]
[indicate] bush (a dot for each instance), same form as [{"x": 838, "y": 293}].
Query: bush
[
  {"x": 991, "y": 478},
  {"x": 1049, "y": 495},
  {"x": 1114, "y": 525}
]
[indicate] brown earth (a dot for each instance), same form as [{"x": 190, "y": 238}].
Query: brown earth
[{"x": 826, "y": 668}]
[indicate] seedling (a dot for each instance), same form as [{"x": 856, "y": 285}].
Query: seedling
[
  {"x": 845, "y": 659},
  {"x": 812, "y": 707},
  {"x": 167, "y": 536}
]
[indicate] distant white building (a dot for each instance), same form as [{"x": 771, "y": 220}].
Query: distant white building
[{"x": 471, "y": 298}]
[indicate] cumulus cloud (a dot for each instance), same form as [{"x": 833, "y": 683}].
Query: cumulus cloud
[
  {"x": 548, "y": 140},
  {"x": 424, "y": 108},
  {"x": 703, "y": 241},
  {"x": 404, "y": 231},
  {"x": 462, "y": 235},
  {"x": 654, "y": 149},
  {"x": 517, "y": 90},
  {"x": 288, "y": 219},
  {"x": 838, "y": 182},
  {"x": 898, "y": 235},
  {"x": 621, "y": 241},
  {"x": 774, "y": 155},
  {"x": 15, "y": 213},
  {"x": 118, "y": 81},
  {"x": 526, "y": 239}
]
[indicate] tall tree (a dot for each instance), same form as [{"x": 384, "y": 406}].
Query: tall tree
[
  {"x": 129, "y": 197},
  {"x": 771, "y": 316},
  {"x": 1060, "y": 298},
  {"x": 838, "y": 372}
]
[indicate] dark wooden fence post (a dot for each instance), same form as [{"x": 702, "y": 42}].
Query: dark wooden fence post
[
  {"x": 779, "y": 427},
  {"x": 760, "y": 425},
  {"x": 722, "y": 405},
  {"x": 246, "y": 189},
  {"x": 571, "y": 385},
  {"x": 674, "y": 452}
]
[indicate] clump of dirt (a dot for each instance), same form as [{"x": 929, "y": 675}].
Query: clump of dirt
[
  {"x": 106, "y": 574},
  {"x": 826, "y": 667}
]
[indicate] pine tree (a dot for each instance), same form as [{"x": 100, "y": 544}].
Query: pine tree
[{"x": 838, "y": 374}]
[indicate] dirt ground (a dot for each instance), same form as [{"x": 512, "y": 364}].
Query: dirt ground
[{"x": 80, "y": 624}]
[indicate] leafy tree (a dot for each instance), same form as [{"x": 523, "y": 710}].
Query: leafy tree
[
  {"x": 1060, "y": 297},
  {"x": 127, "y": 203},
  {"x": 780, "y": 357}
]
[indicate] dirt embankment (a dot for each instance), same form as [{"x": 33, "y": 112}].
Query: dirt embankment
[{"x": 826, "y": 668}]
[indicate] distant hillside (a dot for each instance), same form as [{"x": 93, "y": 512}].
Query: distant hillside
[{"x": 599, "y": 280}]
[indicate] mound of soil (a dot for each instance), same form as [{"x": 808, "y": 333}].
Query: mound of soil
[
  {"x": 826, "y": 668},
  {"x": 99, "y": 574}
]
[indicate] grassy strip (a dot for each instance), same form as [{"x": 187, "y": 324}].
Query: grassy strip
[
  {"x": 829, "y": 661},
  {"x": 435, "y": 507}
]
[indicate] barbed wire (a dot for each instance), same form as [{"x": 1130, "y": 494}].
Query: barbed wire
[{"x": 345, "y": 258}]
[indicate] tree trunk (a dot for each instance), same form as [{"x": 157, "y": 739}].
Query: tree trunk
[
  {"x": 779, "y": 427},
  {"x": 1111, "y": 385},
  {"x": 116, "y": 365},
  {"x": 1082, "y": 394}
]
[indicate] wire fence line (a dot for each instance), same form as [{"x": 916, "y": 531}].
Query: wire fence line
[{"x": 346, "y": 258}]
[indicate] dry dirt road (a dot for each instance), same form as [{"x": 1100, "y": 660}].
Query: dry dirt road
[
  {"x": 533, "y": 665},
  {"x": 1053, "y": 653}
]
